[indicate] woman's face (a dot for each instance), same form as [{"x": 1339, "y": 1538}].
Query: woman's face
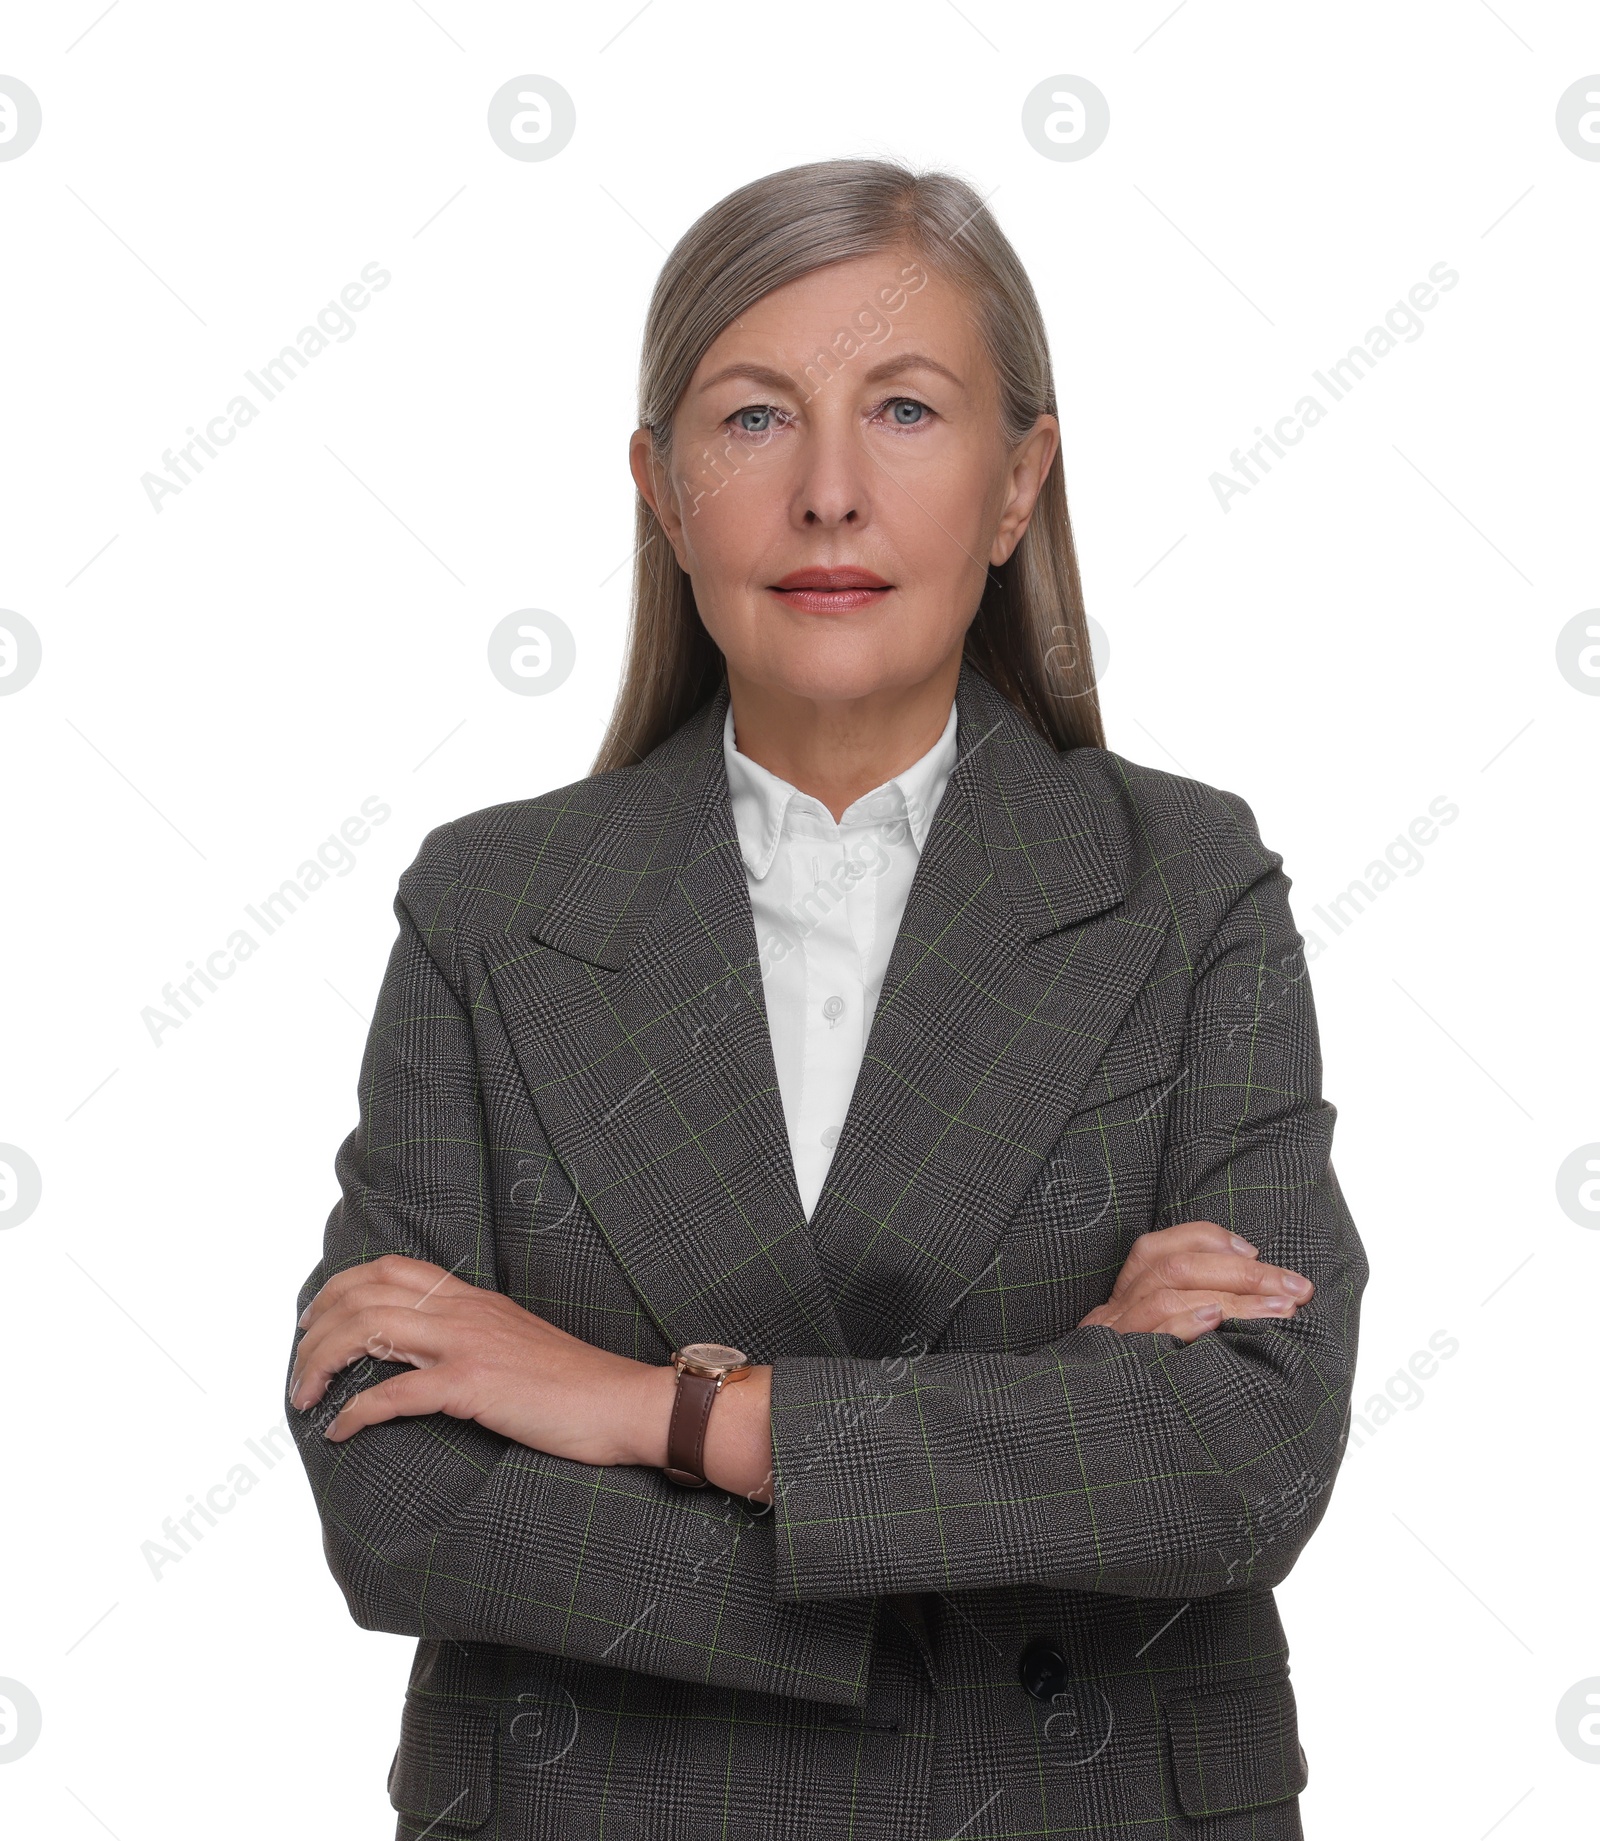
[{"x": 848, "y": 421}]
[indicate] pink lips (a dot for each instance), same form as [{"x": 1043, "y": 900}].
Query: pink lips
[{"x": 831, "y": 591}]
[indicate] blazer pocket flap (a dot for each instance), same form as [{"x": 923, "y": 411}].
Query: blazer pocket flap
[
  {"x": 1235, "y": 1747},
  {"x": 443, "y": 1773}
]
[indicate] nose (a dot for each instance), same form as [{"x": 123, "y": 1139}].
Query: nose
[{"x": 833, "y": 489}]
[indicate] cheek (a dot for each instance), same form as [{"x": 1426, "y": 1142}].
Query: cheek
[
  {"x": 729, "y": 498},
  {"x": 943, "y": 516},
  {"x": 723, "y": 544}
]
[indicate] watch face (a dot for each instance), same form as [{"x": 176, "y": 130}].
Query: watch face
[{"x": 712, "y": 1355}]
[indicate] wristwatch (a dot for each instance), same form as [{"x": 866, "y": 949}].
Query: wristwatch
[{"x": 704, "y": 1369}]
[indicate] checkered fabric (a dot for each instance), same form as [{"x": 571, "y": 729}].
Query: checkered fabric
[{"x": 1096, "y": 1020}]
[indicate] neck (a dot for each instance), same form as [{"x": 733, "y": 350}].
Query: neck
[{"x": 839, "y": 748}]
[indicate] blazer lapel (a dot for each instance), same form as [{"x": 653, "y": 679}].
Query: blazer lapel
[
  {"x": 633, "y": 1002},
  {"x": 1017, "y": 957}
]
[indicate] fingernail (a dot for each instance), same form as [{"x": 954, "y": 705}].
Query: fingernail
[
  {"x": 1241, "y": 1246},
  {"x": 1208, "y": 1313},
  {"x": 1277, "y": 1304},
  {"x": 304, "y": 1315},
  {"x": 1294, "y": 1282}
]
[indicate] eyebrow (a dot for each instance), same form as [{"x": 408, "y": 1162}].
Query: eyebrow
[{"x": 879, "y": 373}]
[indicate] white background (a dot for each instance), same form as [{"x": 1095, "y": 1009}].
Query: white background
[{"x": 304, "y": 626}]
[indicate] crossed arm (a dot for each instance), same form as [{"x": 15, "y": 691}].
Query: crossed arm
[
  {"x": 472, "y": 1353},
  {"x": 484, "y": 1476}
]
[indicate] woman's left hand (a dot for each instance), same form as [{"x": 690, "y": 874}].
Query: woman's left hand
[{"x": 475, "y": 1354}]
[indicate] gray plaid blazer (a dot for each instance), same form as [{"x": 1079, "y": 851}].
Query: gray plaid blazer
[{"x": 1017, "y": 1576}]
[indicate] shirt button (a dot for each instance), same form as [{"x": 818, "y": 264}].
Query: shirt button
[
  {"x": 833, "y": 1009},
  {"x": 830, "y": 1137}
]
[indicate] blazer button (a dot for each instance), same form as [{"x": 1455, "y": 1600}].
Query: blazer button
[{"x": 1042, "y": 1669}]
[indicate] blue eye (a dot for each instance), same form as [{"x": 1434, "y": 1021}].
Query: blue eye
[{"x": 766, "y": 418}]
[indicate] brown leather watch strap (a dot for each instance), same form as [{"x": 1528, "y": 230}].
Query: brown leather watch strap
[{"x": 686, "y": 1430}]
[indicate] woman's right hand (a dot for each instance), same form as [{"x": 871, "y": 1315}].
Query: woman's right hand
[{"x": 1183, "y": 1280}]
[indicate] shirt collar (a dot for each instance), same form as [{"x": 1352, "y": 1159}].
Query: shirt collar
[{"x": 762, "y": 802}]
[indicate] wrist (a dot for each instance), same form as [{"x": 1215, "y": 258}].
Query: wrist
[{"x": 658, "y": 1388}]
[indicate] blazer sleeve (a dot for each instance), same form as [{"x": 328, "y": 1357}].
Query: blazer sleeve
[
  {"x": 1108, "y": 1462},
  {"x": 437, "y": 1527}
]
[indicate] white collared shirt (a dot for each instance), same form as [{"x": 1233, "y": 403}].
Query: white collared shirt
[{"x": 827, "y": 900}]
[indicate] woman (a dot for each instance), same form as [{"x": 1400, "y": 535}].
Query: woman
[{"x": 864, "y": 1017}]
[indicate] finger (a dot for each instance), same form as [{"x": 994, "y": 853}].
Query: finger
[
  {"x": 1187, "y": 1237},
  {"x": 336, "y": 1335},
  {"x": 382, "y": 1334},
  {"x": 1158, "y": 1293},
  {"x": 423, "y": 1390},
  {"x": 1252, "y": 1304},
  {"x": 1191, "y": 1322},
  {"x": 1211, "y": 1271},
  {"x": 413, "y": 1275},
  {"x": 376, "y": 1292},
  {"x": 1153, "y": 1308}
]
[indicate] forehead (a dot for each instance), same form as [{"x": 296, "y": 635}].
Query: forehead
[{"x": 891, "y": 300}]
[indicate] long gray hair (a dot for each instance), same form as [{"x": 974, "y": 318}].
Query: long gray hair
[{"x": 1029, "y": 636}]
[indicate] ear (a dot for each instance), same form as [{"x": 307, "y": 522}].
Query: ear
[
  {"x": 655, "y": 487},
  {"x": 1030, "y": 464}
]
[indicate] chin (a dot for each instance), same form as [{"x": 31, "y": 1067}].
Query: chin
[
  {"x": 838, "y": 670},
  {"x": 838, "y": 660}
]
